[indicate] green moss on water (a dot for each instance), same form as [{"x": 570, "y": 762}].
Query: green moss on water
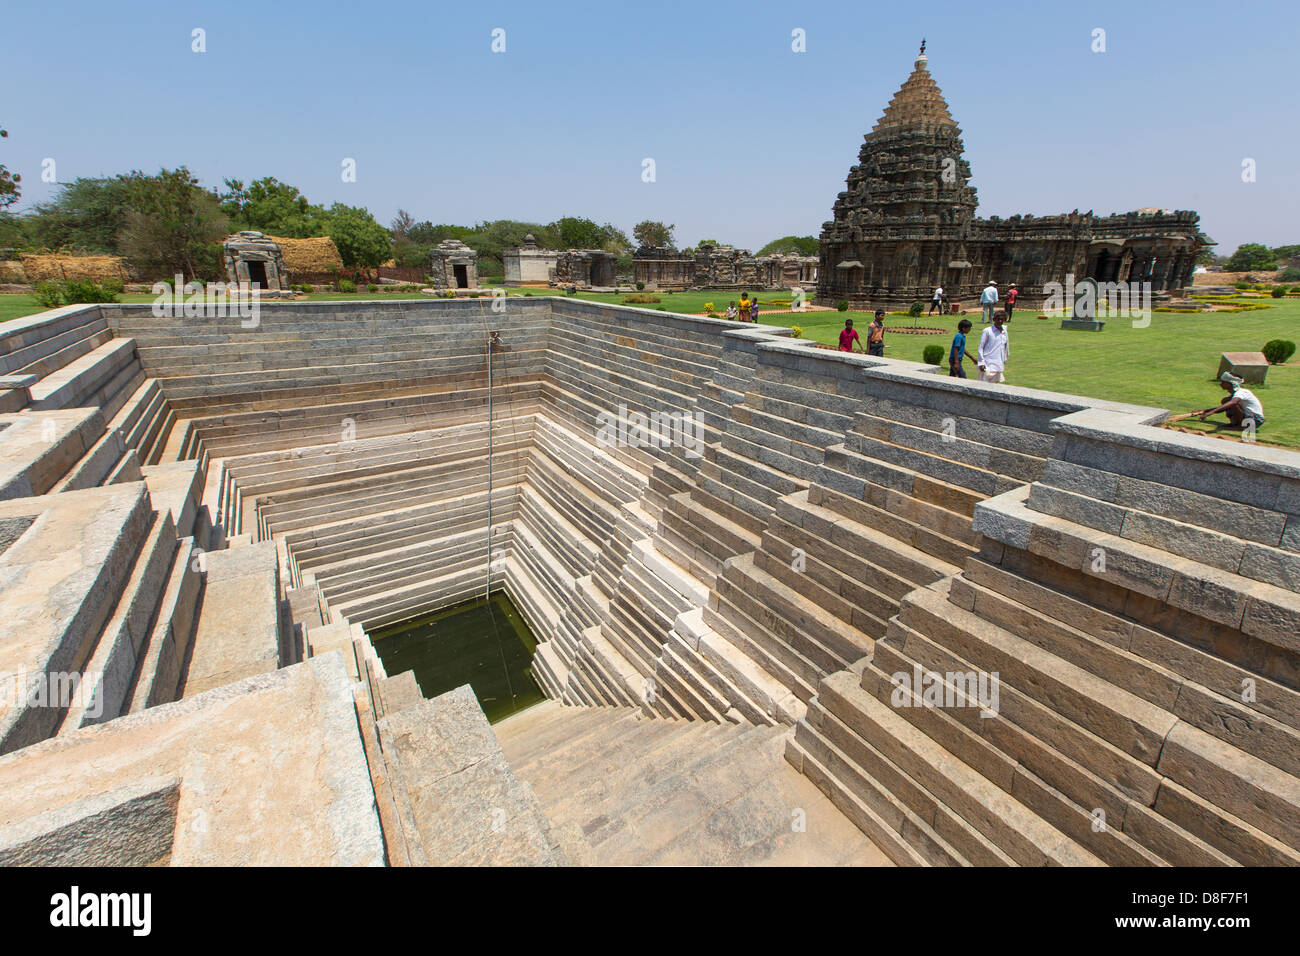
[{"x": 483, "y": 643}]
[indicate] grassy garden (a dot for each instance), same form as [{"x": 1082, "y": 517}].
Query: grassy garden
[{"x": 1168, "y": 364}]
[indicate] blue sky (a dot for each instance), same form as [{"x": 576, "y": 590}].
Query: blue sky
[{"x": 750, "y": 140}]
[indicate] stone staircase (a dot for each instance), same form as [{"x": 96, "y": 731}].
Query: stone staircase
[
  {"x": 620, "y": 789},
  {"x": 1142, "y": 637}
]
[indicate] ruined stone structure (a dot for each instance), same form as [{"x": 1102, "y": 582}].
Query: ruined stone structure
[
  {"x": 585, "y": 269},
  {"x": 252, "y": 257},
  {"x": 529, "y": 264},
  {"x": 906, "y": 223},
  {"x": 453, "y": 265},
  {"x": 950, "y": 622},
  {"x": 721, "y": 267}
]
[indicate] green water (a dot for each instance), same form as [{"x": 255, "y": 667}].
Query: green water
[{"x": 483, "y": 643}]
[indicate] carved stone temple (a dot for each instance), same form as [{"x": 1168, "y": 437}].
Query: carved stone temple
[{"x": 906, "y": 223}]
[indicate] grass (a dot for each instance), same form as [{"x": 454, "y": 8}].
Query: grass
[{"x": 1169, "y": 364}]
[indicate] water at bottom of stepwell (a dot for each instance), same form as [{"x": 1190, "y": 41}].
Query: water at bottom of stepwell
[{"x": 484, "y": 643}]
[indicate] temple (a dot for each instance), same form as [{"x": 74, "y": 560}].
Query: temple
[{"x": 906, "y": 223}]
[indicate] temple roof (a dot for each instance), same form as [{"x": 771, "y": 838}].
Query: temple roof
[{"x": 918, "y": 102}]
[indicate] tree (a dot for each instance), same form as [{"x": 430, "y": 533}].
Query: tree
[
  {"x": 790, "y": 246},
  {"x": 401, "y": 224},
  {"x": 86, "y": 215},
  {"x": 270, "y": 206},
  {"x": 651, "y": 233},
  {"x": 1207, "y": 256},
  {"x": 172, "y": 225},
  {"x": 362, "y": 242},
  {"x": 1251, "y": 256},
  {"x": 578, "y": 233},
  {"x": 10, "y": 190}
]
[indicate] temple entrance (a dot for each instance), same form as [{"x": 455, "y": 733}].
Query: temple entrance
[
  {"x": 462, "y": 276},
  {"x": 257, "y": 274}
]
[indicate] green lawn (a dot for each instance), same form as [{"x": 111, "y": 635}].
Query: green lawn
[{"x": 1170, "y": 364}]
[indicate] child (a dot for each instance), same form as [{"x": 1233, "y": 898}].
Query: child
[
  {"x": 958, "y": 351},
  {"x": 753, "y": 311},
  {"x": 745, "y": 306},
  {"x": 731, "y": 310},
  {"x": 848, "y": 336},
  {"x": 876, "y": 335}
]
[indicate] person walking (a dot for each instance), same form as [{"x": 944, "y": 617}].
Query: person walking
[
  {"x": 995, "y": 349},
  {"x": 1011, "y": 300},
  {"x": 876, "y": 335},
  {"x": 849, "y": 337},
  {"x": 957, "y": 354},
  {"x": 936, "y": 301},
  {"x": 989, "y": 299}
]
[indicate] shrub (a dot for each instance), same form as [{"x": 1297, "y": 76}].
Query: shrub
[
  {"x": 661, "y": 309},
  {"x": 842, "y": 306},
  {"x": 1278, "y": 291},
  {"x": 48, "y": 294},
  {"x": 646, "y": 299},
  {"x": 114, "y": 285},
  {"x": 797, "y": 330},
  {"x": 573, "y": 290},
  {"x": 915, "y": 309},
  {"x": 1278, "y": 351},
  {"x": 708, "y": 307},
  {"x": 1241, "y": 286},
  {"x": 54, "y": 294},
  {"x": 1290, "y": 274},
  {"x": 933, "y": 354},
  {"x": 640, "y": 286},
  {"x": 347, "y": 285},
  {"x": 372, "y": 287}
]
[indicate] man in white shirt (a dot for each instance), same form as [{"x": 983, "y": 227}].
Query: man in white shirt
[
  {"x": 1244, "y": 410},
  {"x": 989, "y": 299},
  {"x": 995, "y": 349},
  {"x": 936, "y": 301}
]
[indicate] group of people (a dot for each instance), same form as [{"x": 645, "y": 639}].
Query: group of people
[
  {"x": 746, "y": 311},
  {"x": 875, "y": 336},
  {"x": 994, "y": 346},
  {"x": 989, "y": 299}
]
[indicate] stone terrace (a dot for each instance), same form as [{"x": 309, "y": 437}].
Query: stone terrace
[{"x": 246, "y": 503}]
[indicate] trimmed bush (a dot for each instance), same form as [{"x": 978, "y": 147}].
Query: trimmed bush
[
  {"x": 1290, "y": 274},
  {"x": 1278, "y": 351},
  {"x": 842, "y": 306},
  {"x": 640, "y": 286},
  {"x": 372, "y": 287},
  {"x": 646, "y": 299},
  {"x": 915, "y": 309},
  {"x": 54, "y": 294},
  {"x": 1278, "y": 291},
  {"x": 347, "y": 285},
  {"x": 1241, "y": 286},
  {"x": 797, "y": 330},
  {"x": 932, "y": 355}
]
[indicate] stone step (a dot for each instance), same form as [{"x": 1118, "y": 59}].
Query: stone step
[
  {"x": 80, "y": 379},
  {"x": 953, "y": 786},
  {"x": 237, "y": 633}
]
